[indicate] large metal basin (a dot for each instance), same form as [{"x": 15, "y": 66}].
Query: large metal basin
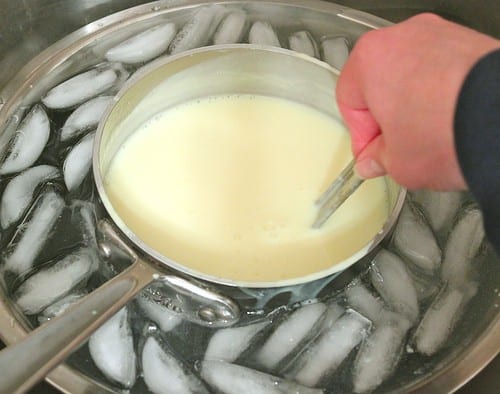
[{"x": 30, "y": 26}]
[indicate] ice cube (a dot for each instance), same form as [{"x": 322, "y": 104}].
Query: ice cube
[
  {"x": 363, "y": 301},
  {"x": 227, "y": 344},
  {"x": 331, "y": 348},
  {"x": 85, "y": 117},
  {"x": 34, "y": 232},
  {"x": 262, "y": 33},
  {"x": 289, "y": 334},
  {"x": 50, "y": 284},
  {"x": 143, "y": 46},
  {"x": 84, "y": 218},
  {"x": 112, "y": 349},
  {"x": 60, "y": 306},
  {"x": 391, "y": 279},
  {"x": 335, "y": 51},
  {"x": 164, "y": 374},
  {"x": 27, "y": 143},
  {"x": 165, "y": 318},
  {"x": 427, "y": 286},
  {"x": 440, "y": 319},
  {"x": 303, "y": 42},
  {"x": 19, "y": 192},
  {"x": 235, "y": 379},
  {"x": 462, "y": 246},
  {"x": 231, "y": 29},
  {"x": 198, "y": 30},
  {"x": 440, "y": 207},
  {"x": 379, "y": 353},
  {"x": 85, "y": 86},
  {"x": 78, "y": 161},
  {"x": 415, "y": 241}
]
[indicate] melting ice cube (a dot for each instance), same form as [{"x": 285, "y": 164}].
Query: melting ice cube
[
  {"x": 462, "y": 246},
  {"x": 335, "y": 51},
  {"x": 34, "y": 232},
  {"x": 60, "y": 306},
  {"x": 234, "y": 379},
  {"x": 19, "y": 192},
  {"x": 84, "y": 218},
  {"x": 289, "y": 334},
  {"x": 112, "y": 349},
  {"x": 414, "y": 240},
  {"x": 379, "y": 353},
  {"x": 166, "y": 319},
  {"x": 85, "y": 117},
  {"x": 77, "y": 163},
  {"x": 86, "y": 85},
  {"x": 163, "y": 373},
  {"x": 143, "y": 46},
  {"x": 227, "y": 344},
  {"x": 28, "y": 142},
  {"x": 303, "y": 42},
  {"x": 440, "y": 207},
  {"x": 331, "y": 348},
  {"x": 363, "y": 301},
  {"x": 50, "y": 284},
  {"x": 198, "y": 30},
  {"x": 231, "y": 29},
  {"x": 440, "y": 319},
  {"x": 391, "y": 279},
  {"x": 262, "y": 33}
]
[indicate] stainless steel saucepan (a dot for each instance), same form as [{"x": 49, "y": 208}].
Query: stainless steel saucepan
[{"x": 203, "y": 72}]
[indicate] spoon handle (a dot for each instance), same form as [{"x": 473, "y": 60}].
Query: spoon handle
[{"x": 339, "y": 190}]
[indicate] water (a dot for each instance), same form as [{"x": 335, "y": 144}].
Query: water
[{"x": 50, "y": 216}]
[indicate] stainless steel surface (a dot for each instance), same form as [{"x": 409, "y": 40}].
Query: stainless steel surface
[
  {"x": 40, "y": 23},
  {"x": 335, "y": 195},
  {"x": 50, "y": 344}
]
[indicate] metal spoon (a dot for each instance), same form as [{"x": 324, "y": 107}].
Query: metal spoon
[{"x": 334, "y": 196}]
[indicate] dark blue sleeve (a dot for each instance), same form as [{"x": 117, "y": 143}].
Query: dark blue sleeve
[{"x": 477, "y": 139}]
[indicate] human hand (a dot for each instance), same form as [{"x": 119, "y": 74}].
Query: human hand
[{"x": 397, "y": 93}]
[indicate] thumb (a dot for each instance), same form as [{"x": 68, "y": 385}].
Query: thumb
[{"x": 369, "y": 162}]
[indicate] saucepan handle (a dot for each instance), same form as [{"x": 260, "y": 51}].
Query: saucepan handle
[{"x": 25, "y": 363}]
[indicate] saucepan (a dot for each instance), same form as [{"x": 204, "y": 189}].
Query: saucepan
[{"x": 165, "y": 83}]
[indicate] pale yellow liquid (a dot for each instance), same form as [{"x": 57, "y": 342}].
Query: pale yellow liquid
[{"x": 226, "y": 186}]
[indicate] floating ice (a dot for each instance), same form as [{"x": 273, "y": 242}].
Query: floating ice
[
  {"x": 59, "y": 307},
  {"x": 335, "y": 51},
  {"x": 331, "y": 348},
  {"x": 28, "y": 142},
  {"x": 379, "y": 354},
  {"x": 426, "y": 286},
  {"x": 303, "y": 42},
  {"x": 85, "y": 117},
  {"x": 165, "y": 318},
  {"x": 164, "y": 374},
  {"x": 363, "y": 301},
  {"x": 144, "y": 46},
  {"x": 86, "y": 85},
  {"x": 289, "y": 334},
  {"x": 227, "y": 344},
  {"x": 50, "y": 284},
  {"x": 234, "y": 379},
  {"x": 440, "y": 207},
  {"x": 77, "y": 163},
  {"x": 34, "y": 233},
  {"x": 198, "y": 30},
  {"x": 231, "y": 29},
  {"x": 112, "y": 349},
  {"x": 414, "y": 240},
  {"x": 462, "y": 246},
  {"x": 391, "y": 279},
  {"x": 84, "y": 218},
  {"x": 441, "y": 317},
  {"x": 19, "y": 192},
  {"x": 262, "y": 33}
]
